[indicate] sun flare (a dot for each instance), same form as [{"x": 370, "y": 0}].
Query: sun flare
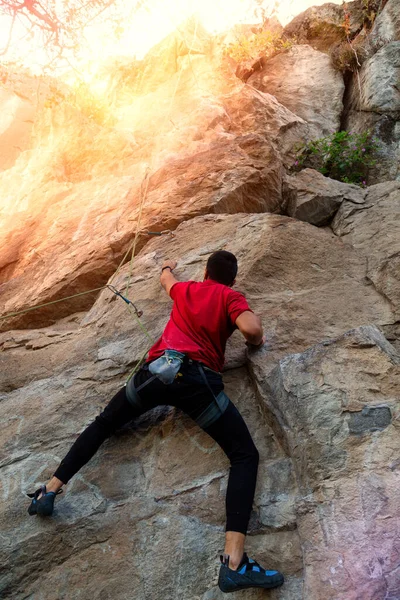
[{"x": 141, "y": 28}]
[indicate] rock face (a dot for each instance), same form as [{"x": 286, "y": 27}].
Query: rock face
[
  {"x": 386, "y": 26},
  {"x": 323, "y": 26},
  {"x": 21, "y": 96},
  {"x": 196, "y": 151},
  {"x": 139, "y": 492},
  {"x": 378, "y": 78},
  {"x": 335, "y": 406},
  {"x": 211, "y": 145},
  {"x": 313, "y": 198},
  {"x": 304, "y": 81},
  {"x": 374, "y": 100},
  {"x": 372, "y": 228}
]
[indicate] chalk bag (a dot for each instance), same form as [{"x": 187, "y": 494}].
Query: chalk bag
[{"x": 167, "y": 366}]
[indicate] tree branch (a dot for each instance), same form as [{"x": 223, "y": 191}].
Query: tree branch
[
  {"x": 61, "y": 24},
  {"x": 30, "y": 6}
]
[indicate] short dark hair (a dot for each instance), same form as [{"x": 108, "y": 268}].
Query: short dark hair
[{"x": 222, "y": 267}]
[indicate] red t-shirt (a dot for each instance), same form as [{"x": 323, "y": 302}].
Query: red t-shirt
[{"x": 202, "y": 319}]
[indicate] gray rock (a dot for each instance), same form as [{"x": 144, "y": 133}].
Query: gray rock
[
  {"x": 305, "y": 81},
  {"x": 153, "y": 490},
  {"x": 387, "y": 26},
  {"x": 158, "y": 486},
  {"x": 374, "y": 104},
  {"x": 386, "y": 129},
  {"x": 373, "y": 229},
  {"x": 370, "y": 419},
  {"x": 313, "y": 198},
  {"x": 320, "y": 399},
  {"x": 379, "y": 78}
]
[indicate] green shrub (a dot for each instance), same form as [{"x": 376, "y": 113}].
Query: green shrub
[
  {"x": 265, "y": 43},
  {"x": 343, "y": 156}
]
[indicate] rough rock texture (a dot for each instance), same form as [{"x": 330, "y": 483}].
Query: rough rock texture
[
  {"x": 157, "y": 488},
  {"x": 21, "y": 95},
  {"x": 322, "y": 404},
  {"x": 379, "y": 77},
  {"x": 273, "y": 251},
  {"x": 314, "y": 198},
  {"x": 323, "y": 26},
  {"x": 209, "y": 145},
  {"x": 373, "y": 229},
  {"x": 305, "y": 81},
  {"x": 336, "y": 407},
  {"x": 374, "y": 104},
  {"x": 387, "y": 25},
  {"x": 154, "y": 491}
]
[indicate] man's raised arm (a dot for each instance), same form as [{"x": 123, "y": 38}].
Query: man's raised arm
[
  {"x": 167, "y": 278},
  {"x": 250, "y": 326}
]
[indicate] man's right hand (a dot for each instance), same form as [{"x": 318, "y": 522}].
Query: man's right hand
[
  {"x": 250, "y": 326},
  {"x": 257, "y": 346}
]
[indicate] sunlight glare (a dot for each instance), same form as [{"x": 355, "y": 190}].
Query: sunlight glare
[{"x": 147, "y": 26}]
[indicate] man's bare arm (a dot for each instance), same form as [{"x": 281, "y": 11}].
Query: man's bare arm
[
  {"x": 250, "y": 326},
  {"x": 167, "y": 278}
]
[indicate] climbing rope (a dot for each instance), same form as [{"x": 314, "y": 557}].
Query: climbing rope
[
  {"x": 138, "y": 313},
  {"x": 37, "y": 306}
]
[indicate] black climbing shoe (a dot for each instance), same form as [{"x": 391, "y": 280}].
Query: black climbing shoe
[
  {"x": 249, "y": 574},
  {"x": 45, "y": 504}
]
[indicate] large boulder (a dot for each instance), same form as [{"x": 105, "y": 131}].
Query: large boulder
[
  {"x": 323, "y": 26},
  {"x": 138, "y": 492},
  {"x": 206, "y": 143},
  {"x": 334, "y": 408},
  {"x": 304, "y": 80},
  {"x": 387, "y": 26},
  {"x": 373, "y": 229},
  {"x": 303, "y": 280},
  {"x": 379, "y": 78},
  {"x": 374, "y": 104},
  {"x": 314, "y": 198}
]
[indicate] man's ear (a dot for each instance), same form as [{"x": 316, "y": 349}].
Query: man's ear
[
  {"x": 233, "y": 283},
  {"x": 205, "y": 275}
]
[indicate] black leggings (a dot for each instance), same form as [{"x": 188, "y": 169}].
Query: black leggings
[{"x": 190, "y": 394}]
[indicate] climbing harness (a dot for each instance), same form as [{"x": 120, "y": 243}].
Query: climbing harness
[{"x": 166, "y": 369}]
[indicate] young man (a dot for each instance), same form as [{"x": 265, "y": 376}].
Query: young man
[{"x": 184, "y": 370}]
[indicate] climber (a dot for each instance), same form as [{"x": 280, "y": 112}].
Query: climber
[{"x": 183, "y": 369}]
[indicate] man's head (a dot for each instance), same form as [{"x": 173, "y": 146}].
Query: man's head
[{"x": 222, "y": 267}]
